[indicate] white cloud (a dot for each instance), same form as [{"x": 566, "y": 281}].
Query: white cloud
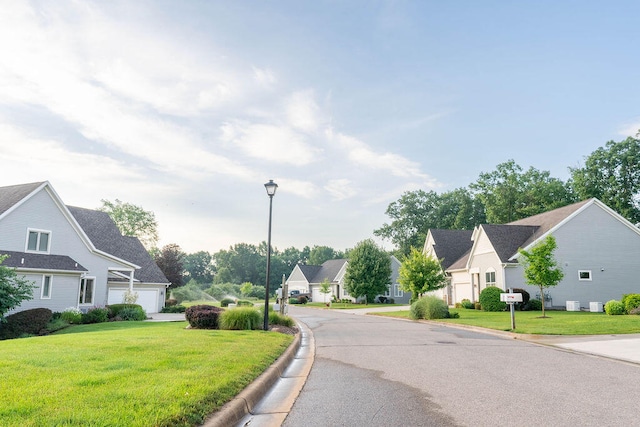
[
  {"x": 303, "y": 112},
  {"x": 301, "y": 188},
  {"x": 632, "y": 129},
  {"x": 265, "y": 77},
  {"x": 340, "y": 189}
]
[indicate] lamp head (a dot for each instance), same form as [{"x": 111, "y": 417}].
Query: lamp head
[{"x": 271, "y": 188}]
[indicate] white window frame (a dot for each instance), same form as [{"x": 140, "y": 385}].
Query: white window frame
[
  {"x": 387, "y": 293},
  {"x": 586, "y": 279},
  {"x": 40, "y": 233},
  {"x": 82, "y": 290},
  {"x": 397, "y": 292},
  {"x": 486, "y": 277},
  {"x": 44, "y": 280}
]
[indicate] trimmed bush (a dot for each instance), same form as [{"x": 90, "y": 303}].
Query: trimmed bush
[
  {"x": 477, "y": 306},
  {"x": 136, "y": 313},
  {"x": 72, "y": 315},
  {"x": 226, "y": 301},
  {"x": 533, "y": 305},
  {"x": 630, "y": 301},
  {"x": 174, "y": 309},
  {"x": 490, "y": 299},
  {"x": 303, "y": 299},
  {"x": 171, "y": 302},
  {"x": 25, "y": 323},
  {"x": 245, "y": 303},
  {"x": 465, "y": 303},
  {"x": 240, "y": 318},
  {"x": 429, "y": 307},
  {"x": 96, "y": 315},
  {"x": 115, "y": 309},
  {"x": 276, "y": 318},
  {"x": 525, "y": 298},
  {"x": 203, "y": 316},
  {"x": 614, "y": 308}
]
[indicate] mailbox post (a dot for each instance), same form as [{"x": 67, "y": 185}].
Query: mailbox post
[{"x": 511, "y": 298}]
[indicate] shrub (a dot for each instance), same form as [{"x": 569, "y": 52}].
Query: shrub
[
  {"x": 244, "y": 302},
  {"x": 614, "y": 308},
  {"x": 223, "y": 290},
  {"x": 115, "y": 309},
  {"x": 635, "y": 311},
  {"x": 174, "y": 309},
  {"x": 490, "y": 299},
  {"x": 457, "y": 305},
  {"x": 96, "y": 315},
  {"x": 429, "y": 307},
  {"x": 71, "y": 315},
  {"x": 382, "y": 299},
  {"x": 293, "y": 300},
  {"x": 276, "y": 318},
  {"x": 302, "y": 299},
  {"x": 241, "y": 318},
  {"x": 477, "y": 306},
  {"x": 392, "y": 301},
  {"x": 525, "y": 298},
  {"x": 465, "y": 303},
  {"x": 171, "y": 302},
  {"x": 189, "y": 292},
  {"x": 135, "y": 313},
  {"x": 630, "y": 301},
  {"x": 533, "y": 305},
  {"x": 226, "y": 301},
  {"x": 203, "y": 316},
  {"x": 24, "y": 323}
]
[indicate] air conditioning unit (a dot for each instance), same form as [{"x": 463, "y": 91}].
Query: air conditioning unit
[
  {"x": 573, "y": 305},
  {"x": 595, "y": 307}
]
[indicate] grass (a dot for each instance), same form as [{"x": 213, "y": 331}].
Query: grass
[
  {"x": 346, "y": 305},
  {"x": 530, "y": 322},
  {"x": 129, "y": 374}
]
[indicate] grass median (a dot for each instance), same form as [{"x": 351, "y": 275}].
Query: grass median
[
  {"x": 129, "y": 374},
  {"x": 530, "y": 322}
]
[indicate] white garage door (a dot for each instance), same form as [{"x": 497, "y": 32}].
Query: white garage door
[
  {"x": 317, "y": 296},
  {"x": 147, "y": 298}
]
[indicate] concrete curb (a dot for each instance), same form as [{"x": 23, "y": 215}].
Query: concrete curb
[{"x": 242, "y": 405}]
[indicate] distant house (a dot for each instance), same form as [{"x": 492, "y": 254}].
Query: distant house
[
  {"x": 597, "y": 249},
  {"x": 308, "y": 278},
  {"x": 76, "y": 257}
]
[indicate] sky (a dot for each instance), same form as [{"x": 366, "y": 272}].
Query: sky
[{"x": 187, "y": 108}]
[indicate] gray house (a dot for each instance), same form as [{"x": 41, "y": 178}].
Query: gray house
[
  {"x": 76, "y": 257},
  {"x": 308, "y": 278},
  {"x": 597, "y": 249}
]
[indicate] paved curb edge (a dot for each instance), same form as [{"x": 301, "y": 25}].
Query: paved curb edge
[{"x": 242, "y": 405}]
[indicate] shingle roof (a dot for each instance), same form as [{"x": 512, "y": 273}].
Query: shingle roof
[
  {"x": 106, "y": 237},
  {"x": 328, "y": 270},
  {"x": 309, "y": 271},
  {"x": 507, "y": 239},
  {"x": 12, "y": 194},
  {"x": 26, "y": 260},
  {"x": 450, "y": 245}
]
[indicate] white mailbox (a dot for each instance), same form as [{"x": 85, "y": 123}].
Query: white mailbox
[{"x": 510, "y": 298}]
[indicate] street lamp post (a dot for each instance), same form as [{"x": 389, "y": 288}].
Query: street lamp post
[{"x": 271, "y": 191}]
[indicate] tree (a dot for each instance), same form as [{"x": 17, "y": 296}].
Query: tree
[
  {"x": 198, "y": 266},
  {"x": 319, "y": 254},
  {"x": 133, "y": 220},
  {"x": 612, "y": 175},
  {"x": 13, "y": 289},
  {"x": 246, "y": 288},
  {"x": 325, "y": 288},
  {"x": 540, "y": 267},
  {"x": 368, "y": 271},
  {"x": 169, "y": 260},
  {"x": 420, "y": 274}
]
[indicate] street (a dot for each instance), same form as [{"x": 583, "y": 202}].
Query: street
[{"x": 375, "y": 371}]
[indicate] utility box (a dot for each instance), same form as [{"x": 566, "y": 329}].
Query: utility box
[
  {"x": 595, "y": 307},
  {"x": 573, "y": 305}
]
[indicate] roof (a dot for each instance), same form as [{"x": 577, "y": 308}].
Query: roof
[
  {"x": 450, "y": 245},
  {"x": 328, "y": 270},
  {"x": 106, "y": 237},
  {"x": 507, "y": 239},
  {"x": 13, "y": 194},
  {"x": 26, "y": 260},
  {"x": 309, "y": 271}
]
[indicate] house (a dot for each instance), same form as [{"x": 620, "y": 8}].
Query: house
[
  {"x": 308, "y": 278},
  {"x": 75, "y": 257},
  {"x": 597, "y": 250}
]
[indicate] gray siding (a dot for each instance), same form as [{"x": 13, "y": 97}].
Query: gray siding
[{"x": 64, "y": 292}]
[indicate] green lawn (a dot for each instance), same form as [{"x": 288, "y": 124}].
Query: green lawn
[
  {"x": 129, "y": 374},
  {"x": 556, "y": 322},
  {"x": 345, "y": 305}
]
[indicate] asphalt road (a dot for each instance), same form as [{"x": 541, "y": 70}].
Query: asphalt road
[{"x": 373, "y": 371}]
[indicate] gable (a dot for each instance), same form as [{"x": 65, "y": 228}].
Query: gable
[
  {"x": 329, "y": 270},
  {"x": 448, "y": 246}
]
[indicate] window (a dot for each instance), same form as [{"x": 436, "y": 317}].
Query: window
[
  {"x": 387, "y": 292},
  {"x": 38, "y": 241},
  {"x": 490, "y": 278},
  {"x": 397, "y": 292},
  {"x": 86, "y": 291},
  {"x": 45, "y": 292},
  {"x": 584, "y": 275}
]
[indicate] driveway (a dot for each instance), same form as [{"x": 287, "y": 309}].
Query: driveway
[{"x": 374, "y": 371}]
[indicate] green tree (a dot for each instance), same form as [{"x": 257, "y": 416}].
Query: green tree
[
  {"x": 368, "y": 271},
  {"x": 133, "y": 220},
  {"x": 241, "y": 263},
  {"x": 319, "y": 254},
  {"x": 420, "y": 274},
  {"x": 540, "y": 267},
  {"x": 169, "y": 260},
  {"x": 198, "y": 266},
  {"x": 13, "y": 289},
  {"x": 246, "y": 288},
  {"x": 611, "y": 174},
  {"x": 325, "y": 288}
]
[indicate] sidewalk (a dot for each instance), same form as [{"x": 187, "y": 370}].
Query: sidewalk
[{"x": 620, "y": 347}]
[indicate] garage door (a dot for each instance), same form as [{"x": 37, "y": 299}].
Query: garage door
[{"x": 147, "y": 298}]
